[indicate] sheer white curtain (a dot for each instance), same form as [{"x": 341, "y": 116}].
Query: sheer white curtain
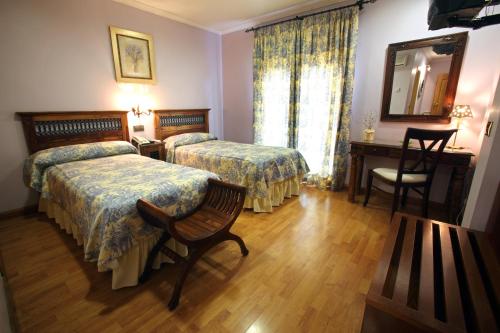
[
  {"x": 275, "y": 97},
  {"x": 317, "y": 124}
]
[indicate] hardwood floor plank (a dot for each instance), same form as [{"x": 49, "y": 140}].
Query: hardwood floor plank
[{"x": 310, "y": 266}]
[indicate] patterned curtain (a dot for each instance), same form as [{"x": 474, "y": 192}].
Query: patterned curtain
[
  {"x": 314, "y": 92},
  {"x": 327, "y": 53},
  {"x": 274, "y": 70}
]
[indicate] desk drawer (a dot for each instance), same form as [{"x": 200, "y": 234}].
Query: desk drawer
[{"x": 378, "y": 151}]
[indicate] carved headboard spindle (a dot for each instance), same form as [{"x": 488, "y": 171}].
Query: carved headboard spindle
[
  {"x": 173, "y": 122},
  {"x": 52, "y": 129}
]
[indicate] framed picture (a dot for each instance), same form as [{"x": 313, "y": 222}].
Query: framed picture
[{"x": 133, "y": 54}]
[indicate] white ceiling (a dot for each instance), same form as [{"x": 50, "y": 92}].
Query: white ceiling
[{"x": 224, "y": 16}]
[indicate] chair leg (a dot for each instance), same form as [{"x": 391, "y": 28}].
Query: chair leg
[
  {"x": 405, "y": 196},
  {"x": 425, "y": 204},
  {"x": 395, "y": 200},
  {"x": 368, "y": 189},
  {"x": 152, "y": 256},
  {"x": 241, "y": 243}
]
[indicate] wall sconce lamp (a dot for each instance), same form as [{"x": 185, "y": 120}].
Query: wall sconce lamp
[
  {"x": 459, "y": 112},
  {"x": 137, "y": 111}
]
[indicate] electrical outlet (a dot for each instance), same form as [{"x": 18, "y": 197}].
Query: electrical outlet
[{"x": 138, "y": 128}]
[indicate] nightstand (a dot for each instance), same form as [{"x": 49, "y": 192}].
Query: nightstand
[{"x": 154, "y": 150}]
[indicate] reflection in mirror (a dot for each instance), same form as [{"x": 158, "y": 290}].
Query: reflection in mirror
[{"x": 420, "y": 80}]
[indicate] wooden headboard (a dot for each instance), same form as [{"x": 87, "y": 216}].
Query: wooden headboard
[
  {"x": 173, "y": 122},
  {"x": 53, "y": 129}
]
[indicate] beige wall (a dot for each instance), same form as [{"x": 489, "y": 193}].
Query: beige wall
[
  {"x": 238, "y": 86},
  {"x": 55, "y": 55},
  {"x": 391, "y": 21},
  {"x": 487, "y": 176},
  {"x": 382, "y": 23}
]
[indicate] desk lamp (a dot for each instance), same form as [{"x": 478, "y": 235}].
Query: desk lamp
[{"x": 459, "y": 112}]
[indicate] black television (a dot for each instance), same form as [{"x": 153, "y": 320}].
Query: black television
[{"x": 460, "y": 13}]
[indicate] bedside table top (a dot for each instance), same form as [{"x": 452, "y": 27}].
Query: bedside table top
[{"x": 151, "y": 144}]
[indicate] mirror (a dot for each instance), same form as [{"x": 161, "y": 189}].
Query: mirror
[{"x": 421, "y": 79}]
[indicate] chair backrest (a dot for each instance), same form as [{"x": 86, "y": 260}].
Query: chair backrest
[{"x": 426, "y": 159}]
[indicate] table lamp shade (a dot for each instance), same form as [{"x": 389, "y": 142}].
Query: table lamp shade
[{"x": 461, "y": 111}]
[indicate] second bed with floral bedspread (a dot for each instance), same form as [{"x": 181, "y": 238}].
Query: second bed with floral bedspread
[{"x": 269, "y": 173}]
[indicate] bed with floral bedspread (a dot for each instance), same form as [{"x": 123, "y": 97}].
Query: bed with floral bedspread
[
  {"x": 94, "y": 188},
  {"x": 270, "y": 174}
]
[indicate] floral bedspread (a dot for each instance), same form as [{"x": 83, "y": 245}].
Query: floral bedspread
[
  {"x": 36, "y": 164},
  {"x": 100, "y": 195},
  {"x": 252, "y": 166}
]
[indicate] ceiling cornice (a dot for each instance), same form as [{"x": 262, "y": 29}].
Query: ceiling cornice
[
  {"x": 245, "y": 24},
  {"x": 160, "y": 12},
  {"x": 281, "y": 14}
]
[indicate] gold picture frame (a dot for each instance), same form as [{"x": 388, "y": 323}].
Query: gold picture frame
[{"x": 133, "y": 55}]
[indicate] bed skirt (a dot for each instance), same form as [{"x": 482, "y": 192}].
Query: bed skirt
[
  {"x": 128, "y": 267},
  {"x": 276, "y": 194}
]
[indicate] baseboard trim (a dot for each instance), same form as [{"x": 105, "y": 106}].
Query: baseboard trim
[{"x": 23, "y": 211}]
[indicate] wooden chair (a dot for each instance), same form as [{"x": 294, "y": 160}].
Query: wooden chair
[
  {"x": 419, "y": 173},
  {"x": 200, "y": 230}
]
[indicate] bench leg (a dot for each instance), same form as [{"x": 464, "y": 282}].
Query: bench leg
[
  {"x": 185, "y": 268},
  {"x": 152, "y": 256},
  {"x": 193, "y": 258},
  {"x": 241, "y": 243}
]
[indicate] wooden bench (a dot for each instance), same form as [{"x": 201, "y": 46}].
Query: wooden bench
[
  {"x": 434, "y": 277},
  {"x": 200, "y": 230}
]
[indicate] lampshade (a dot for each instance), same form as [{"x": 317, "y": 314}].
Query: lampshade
[{"x": 461, "y": 111}]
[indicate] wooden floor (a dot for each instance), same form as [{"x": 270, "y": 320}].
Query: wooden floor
[{"x": 309, "y": 268}]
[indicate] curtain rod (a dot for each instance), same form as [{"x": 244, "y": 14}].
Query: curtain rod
[{"x": 358, "y": 3}]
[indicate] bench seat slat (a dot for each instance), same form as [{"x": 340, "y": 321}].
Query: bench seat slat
[
  {"x": 383, "y": 267},
  {"x": 452, "y": 292},
  {"x": 482, "y": 311},
  {"x": 426, "y": 291},
  {"x": 491, "y": 262},
  {"x": 448, "y": 275},
  {"x": 404, "y": 271}
]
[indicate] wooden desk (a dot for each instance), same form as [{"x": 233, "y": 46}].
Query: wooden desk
[{"x": 459, "y": 160}]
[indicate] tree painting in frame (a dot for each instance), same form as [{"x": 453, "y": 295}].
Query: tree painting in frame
[{"x": 133, "y": 54}]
